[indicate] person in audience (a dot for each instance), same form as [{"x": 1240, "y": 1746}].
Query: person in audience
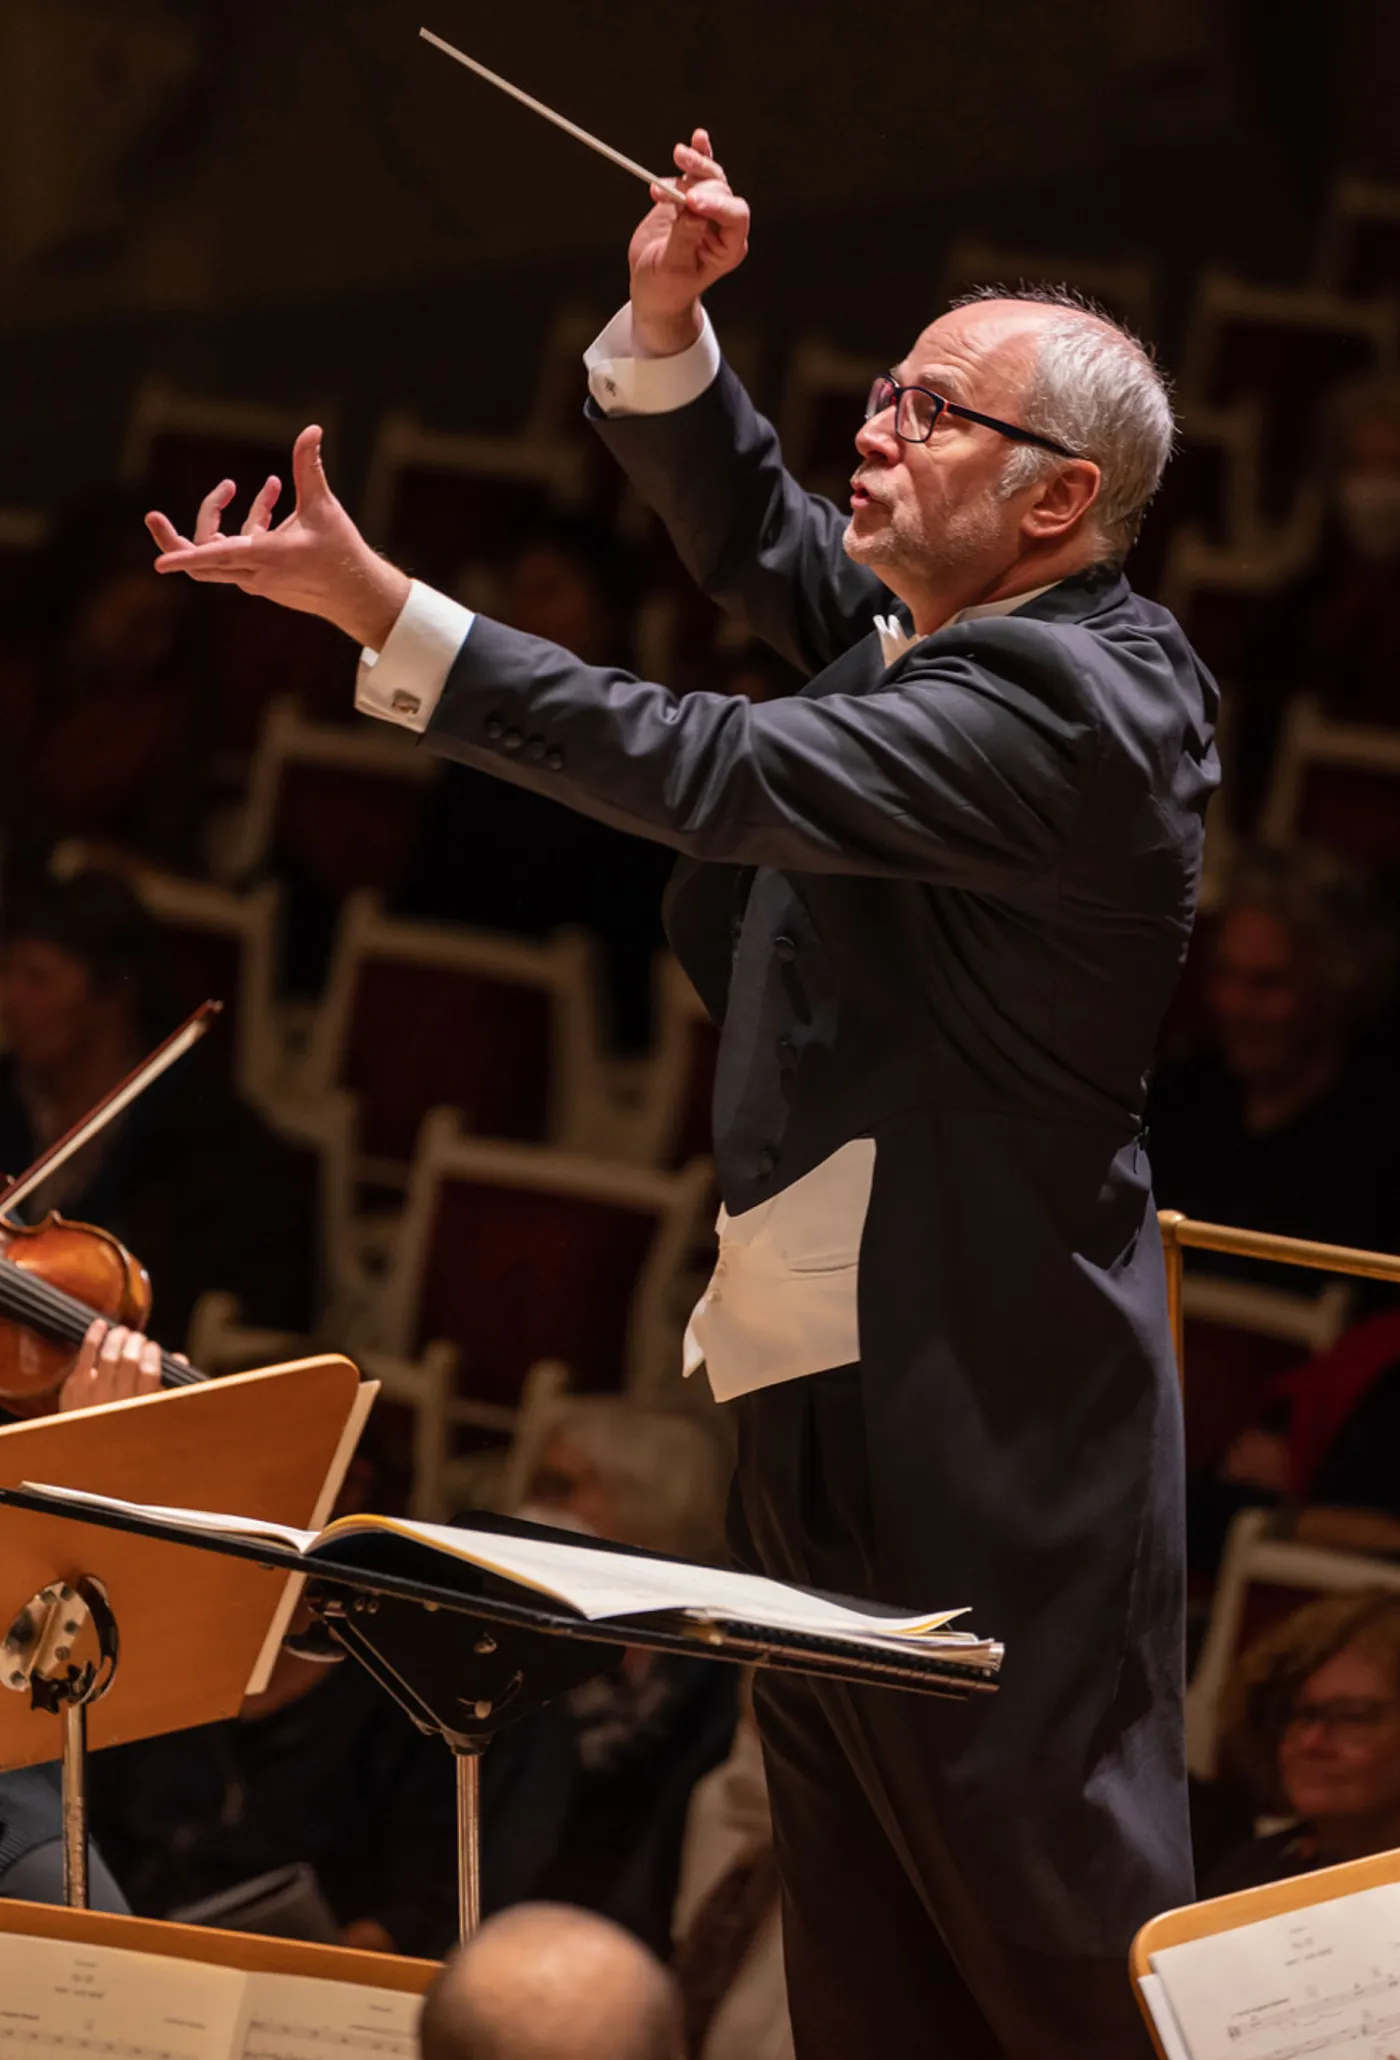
[
  {"x": 321, "y": 1770},
  {"x": 729, "y": 1945},
  {"x": 189, "y": 1177},
  {"x": 1286, "y": 1121},
  {"x": 499, "y": 858},
  {"x": 585, "y": 1802},
  {"x": 548, "y": 1982},
  {"x": 101, "y": 699},
  {"x": 1312, "y": 1721}
]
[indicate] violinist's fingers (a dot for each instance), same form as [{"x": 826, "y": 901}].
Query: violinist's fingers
[
  {"x": 211, "y": 511},
  {"x": 149, "y": 1370},
  {"x": 85, "y": 1363},
  {"x": 133, "y": 1346},
  {"x": 167, "y": 536},
  {"x": 259, "y": 515}
]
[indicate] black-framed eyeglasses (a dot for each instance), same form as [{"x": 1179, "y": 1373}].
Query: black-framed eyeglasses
[{"x": 917, "y": 409}]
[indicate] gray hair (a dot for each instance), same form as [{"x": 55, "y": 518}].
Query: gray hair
[
  {"x": 1097, "y": 389},
  {"x": 665, "y": 1473}
]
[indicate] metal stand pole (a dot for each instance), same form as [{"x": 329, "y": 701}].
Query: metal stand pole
[
  {"x": 468, "y": 1843},
  {"x": 75, "y": 1828}
]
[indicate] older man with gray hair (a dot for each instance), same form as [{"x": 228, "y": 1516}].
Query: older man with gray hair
[{"x": 938, "y": 900}]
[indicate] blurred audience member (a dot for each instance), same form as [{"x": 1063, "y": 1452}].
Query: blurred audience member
[
  {"x": 322, "y": 1770},
  {"x": 585, "y": 1802},
  {"x": 728, "y": 1918},
  {"x": 501, "y": 859},
  {"x": 1312, "y": 1721},
  {"x": 1286, "y": 1121},
  {"x": 550, "y": 1983},
  {"x": 189, "y": 1177},
  {"x": 1339, "y": 631},
  {"x": 101, "y": 697}
]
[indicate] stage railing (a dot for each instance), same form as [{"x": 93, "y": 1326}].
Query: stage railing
[{"x": 1182, "y": 1233}]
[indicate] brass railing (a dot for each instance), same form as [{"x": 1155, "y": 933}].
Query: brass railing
[{"x": 1180, "y": 1233}]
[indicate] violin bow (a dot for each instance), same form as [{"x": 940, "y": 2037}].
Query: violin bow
[{"x": 101, "y": 1113}]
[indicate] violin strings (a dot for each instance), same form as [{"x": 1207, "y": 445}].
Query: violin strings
[{"x": 63, "y": 1316}]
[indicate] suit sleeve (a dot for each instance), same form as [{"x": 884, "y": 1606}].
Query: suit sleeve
[
  {"x": 747, "y": 533},
  {"x": 968, "y": 768}
]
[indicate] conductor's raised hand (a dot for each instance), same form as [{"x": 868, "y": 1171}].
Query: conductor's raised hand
[
  {"x": 676, "y": 253},
  {"x": 315, "y": 561}
]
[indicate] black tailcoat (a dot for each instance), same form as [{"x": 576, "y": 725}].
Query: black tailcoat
[{"x": 943, "y": 904}]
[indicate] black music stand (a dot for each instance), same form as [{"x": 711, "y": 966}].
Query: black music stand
[{"x": 464, "y": 1657}]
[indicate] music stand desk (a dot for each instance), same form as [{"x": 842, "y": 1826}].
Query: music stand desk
[{"x": 465, "y": 1660}]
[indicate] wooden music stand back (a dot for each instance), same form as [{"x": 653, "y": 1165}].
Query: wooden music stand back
[
  {"x": 191, "y": 1626},
  {"x": 1251, "y": 1906},
  {"x": 241, "y": 1949}
]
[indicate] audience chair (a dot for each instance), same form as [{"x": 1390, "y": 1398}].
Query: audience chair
[
  {"x": 518, "y": 1253},
  {"x": 179, "y": 444},
  {"x": 1128, "y": 291},
  {"x": 1212, "y": 484},
  {"x": 1359, "y": 251},
  {"x": 669, "y": 1123},
  {"x": 446, "y": 506},
  {"x": 340, "y": 807},
  {"x": 419, "y": 1015},
  {"x": 219, "y": 945},
  {"x": 1336, "y": 784},
  {"x": 1241, "y": 1337},
  {"x": 1290, "y": 345},
  {"x": 1264, "y": 1577}
]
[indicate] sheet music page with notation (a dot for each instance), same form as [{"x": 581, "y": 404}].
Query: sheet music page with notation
[
  {"x": 1309, "y": 1985},
  {"x": 93, "y": 2003},
  {"x": 289, "y": 2017}
]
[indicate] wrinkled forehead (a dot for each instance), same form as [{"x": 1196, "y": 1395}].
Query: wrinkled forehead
[{"x": 982, "y": 355}]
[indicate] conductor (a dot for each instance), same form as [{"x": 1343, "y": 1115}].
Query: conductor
[{"x": 938, "y": 900}]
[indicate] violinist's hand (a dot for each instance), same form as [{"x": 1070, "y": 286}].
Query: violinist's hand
[
  {"x": 677, "y": 253},
  {"x": 315, "y": 561},
  {"x": 113, "y": 1364}
]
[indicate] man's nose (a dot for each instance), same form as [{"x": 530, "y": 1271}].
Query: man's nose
[{"x": 876, "y": 438}]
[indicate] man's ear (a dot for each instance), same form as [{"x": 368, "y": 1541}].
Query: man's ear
[{"x": 1065, "y": 497}]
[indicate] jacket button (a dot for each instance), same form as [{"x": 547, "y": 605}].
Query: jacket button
[
  {"x": 554, "y": 760},
  {"x": 534, "y": 748},
  {"x": 767, "y": 1159},
  {"x": 512, "y": 740},
  {"x": 785, "y": 949},
  {"x": 787, "y": 1054},
  {"x": 494, "y": 727}
]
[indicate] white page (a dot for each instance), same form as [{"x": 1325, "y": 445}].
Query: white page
[
  {"x": 102, "y": 2003},
  {"x": 609, "y": 1584},
  {"x": 600, "y": 1584},
  {"x": 1311, "y": 1984},
  {"x": 292, "y": 2017},
  {"x": 1168, "y": 2030}
]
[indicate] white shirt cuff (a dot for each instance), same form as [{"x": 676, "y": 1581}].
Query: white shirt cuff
[
  {"x": 622, "y": 383},
  {"x": 403, "y": 683}
]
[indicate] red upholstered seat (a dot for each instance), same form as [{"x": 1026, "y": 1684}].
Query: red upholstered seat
[{"x": 422, "y": 1037}]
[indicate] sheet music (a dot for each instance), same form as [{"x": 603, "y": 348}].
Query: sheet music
[
  {"x": 93, "y": 2003},
  {"x": 1309, "y": 1985},
  {"x": 600, "y": 1584},
  {"x": 288, "y": 2017}
]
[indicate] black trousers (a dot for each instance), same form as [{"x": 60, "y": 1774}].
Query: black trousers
[{"x": 892, "y": 1951}]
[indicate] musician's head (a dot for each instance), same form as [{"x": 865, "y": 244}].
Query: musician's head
[
  {"x": 74, "y": 963},
  {"x": 544, "y": 1981},
  {"x": 971, "y": 513}
]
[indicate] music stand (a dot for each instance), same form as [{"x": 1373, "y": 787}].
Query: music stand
[
  {"x": 129, "y": 1640},
  {"x": 464, "y": 1655}
]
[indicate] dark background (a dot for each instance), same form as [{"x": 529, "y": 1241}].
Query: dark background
[{"x": 305, "y": 204}]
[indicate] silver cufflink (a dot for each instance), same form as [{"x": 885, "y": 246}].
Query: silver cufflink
[{"x": 405, "y": 704}]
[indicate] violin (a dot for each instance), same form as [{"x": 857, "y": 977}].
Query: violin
[{"x": 56, "y": 1277}]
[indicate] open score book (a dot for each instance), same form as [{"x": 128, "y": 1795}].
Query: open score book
[
  {"x": 598, "y": 1582},
  {"x": 104, "y": 2003}
]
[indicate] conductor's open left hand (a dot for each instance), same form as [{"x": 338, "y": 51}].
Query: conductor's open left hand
[{"x": 315, "y": 561}]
